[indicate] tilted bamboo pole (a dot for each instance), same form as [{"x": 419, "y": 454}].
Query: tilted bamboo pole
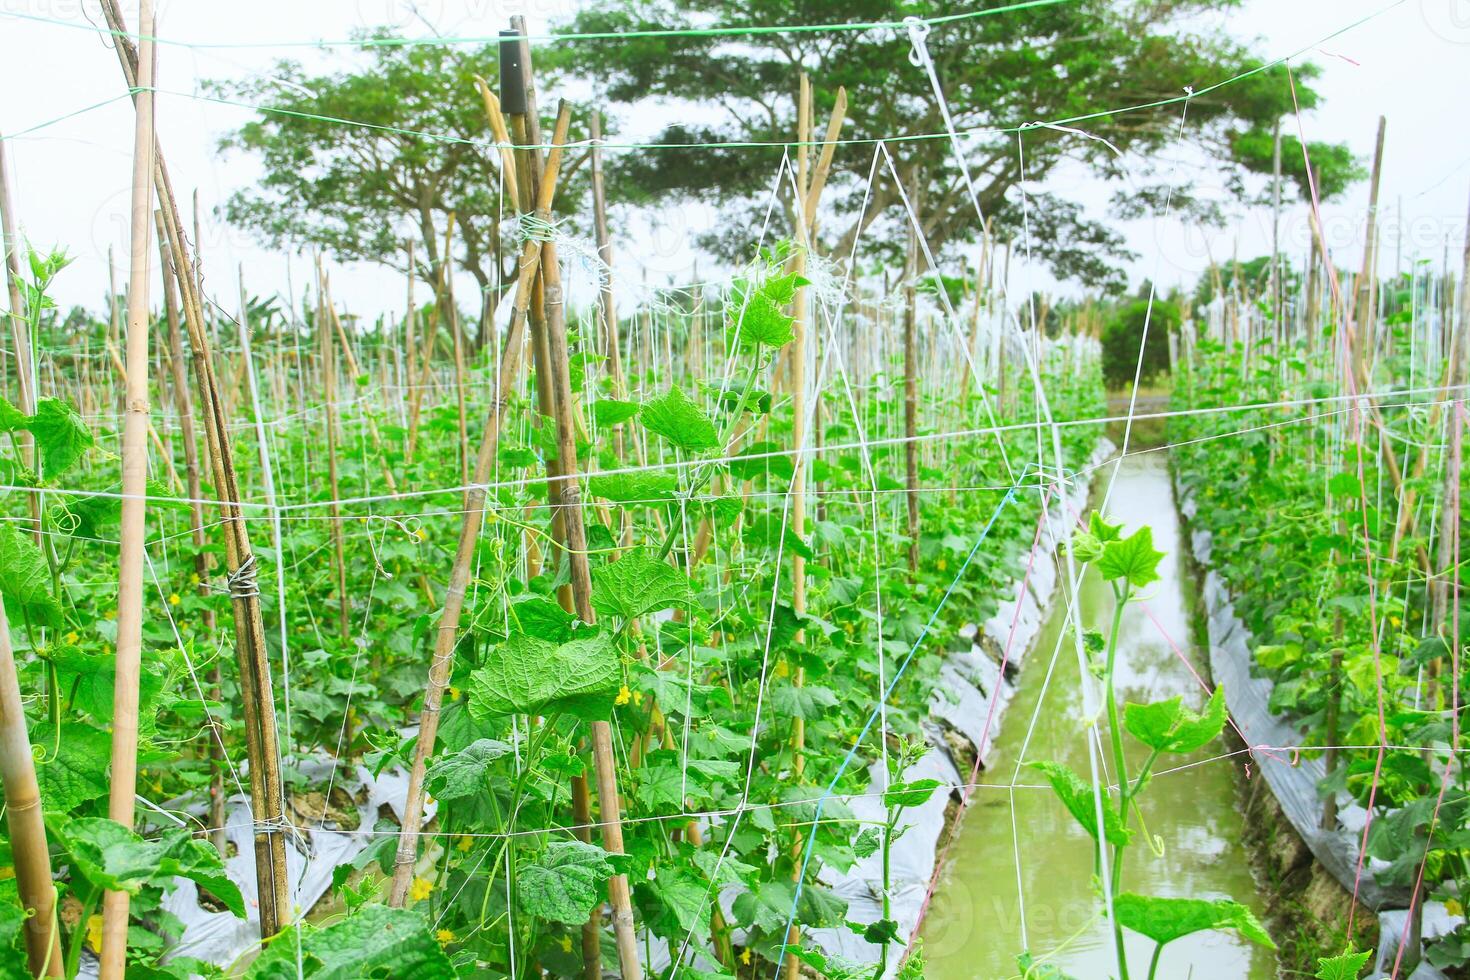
[
  {"x": 127, "y": 662},
  {"x": 23, "y": 816},
  {"x": 446, "y": 635},
  {"x": 203, "y": 561}
]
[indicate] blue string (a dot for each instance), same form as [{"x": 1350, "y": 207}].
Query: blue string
[{"x": 872, "y": 718}]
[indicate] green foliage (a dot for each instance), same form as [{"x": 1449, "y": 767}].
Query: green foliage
[
  {"x": 675, "y": 417},
  {"x": 1166, "y": 919},
  {"x": 534, "y": 676},
  {"x": 112, "y": 857},
  {"x": 1346, "y": 966},
  {"x": 1123, "y": 337},
  {"x": 1079, "y": 800},
  {"x": 565, "y": 883},
  {"x": 1169, "y": 726},
  {"x": 373, "y": 942},
  {"x": 637, "y": 584}
]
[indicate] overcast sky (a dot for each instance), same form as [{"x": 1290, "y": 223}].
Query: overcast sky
[{"x": 1410, "y": 62}]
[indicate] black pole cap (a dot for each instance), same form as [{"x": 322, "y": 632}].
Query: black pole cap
[{"x": 512, "y": 74}]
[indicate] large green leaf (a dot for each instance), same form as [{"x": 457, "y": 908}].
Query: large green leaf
[
  {"x": 77, "y": 772},
  {"x": 12, "y": 418},
  {"x": 60, "y": 434},
  {"x": 1344, "y": 967},
  {"x": 678, "y": 419},
  {"x": 650, "y": 486},
  {"x": 1078, "y": 798},
  {"x": 636, "y": 584},
  {"x": 25, "y": 580},
  {"x": 755, "y": 315},
  {"x": 1166, "y": 919},
  {"x": 373, "y": 942},
  {"x": 1171, "y": 727},
  {"x": 111, "y": 856},
  {"x": 1132, "y": 558},
  {"x": 464, "y": 773},
  {"x": 534, "y": 676},
  {"x": 610, "y": 411},
  {"x": 565, "y": 883}
]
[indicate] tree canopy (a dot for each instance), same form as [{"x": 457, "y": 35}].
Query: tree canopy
[
  {"x": 1068, "y": 61},
  {"x": 415, "y": 153}
]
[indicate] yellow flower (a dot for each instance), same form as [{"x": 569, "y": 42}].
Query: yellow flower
[
  {"x": 94, "y": 932},
  {"x": 941, "y": 564},
  {"x": 193, "y": 578},
  {"x": 745, "y": 958},
  {"x": 420, "y": 889},
  {"x": 445, "y": 937},
  {"x": 624, "y": 695},
  {"x": 174, "y": 599},
  {"x": 72, "y": 638},
  {"x": 465, "y": 842},
  {"x": 566, "y": 944},
  {"x": 1395, "y": 621},
  {"x": 637, "y": 697},
  {"x": 783, "y": 669},
  {"x": 453, "y": 693},
  {"x": 1453, "y": 906},
  {"x": 421, "y": 534}
]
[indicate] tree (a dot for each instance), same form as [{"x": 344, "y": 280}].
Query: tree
[
  {"x": 361, "y": 192},
  {"x": 1056, "y": 62},
  {"x": 1122, "y": 337}
]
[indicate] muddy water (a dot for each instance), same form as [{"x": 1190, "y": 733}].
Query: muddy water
[{"x": 1019, "y": 841}]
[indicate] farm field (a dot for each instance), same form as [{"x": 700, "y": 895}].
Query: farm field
[{"x": 913, "y": 585}]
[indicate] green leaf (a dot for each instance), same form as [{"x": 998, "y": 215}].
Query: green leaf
[
  {"x": 538, "y": 616},
  {"x": 1034, "y": 969},
  {"x": 533, "y": 676},
  {"x": 374, "y": 941},
  {"x": 913, "y": 793},
  {"x": 11, "y": 418},
  {"x": 111, "y": 856},
  {"x": 1132, "y": 558},
  {"x": 60, "y": 434},
  {"x": 678, "y": 419},
  {"x": 464, "y": 773},
  {"x": 636, "y": 584},
  {"x": 25, "y": 580},
  {"x": 1344, "y": 967},
  {"x": 607, "y": 412},
  {"x": 565, "y": 883},
  {"x": 1171, "y": 727},
  {"x": 78, "y": 771},
  {"x": 1077, "y": 797},
  {"x": 866, "y": 843},
  {"x": 646, "y": 486},
  {"x": 1166, "y": 919}
]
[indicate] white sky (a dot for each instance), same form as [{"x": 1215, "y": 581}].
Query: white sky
[{"x": 1410, "y": 63}]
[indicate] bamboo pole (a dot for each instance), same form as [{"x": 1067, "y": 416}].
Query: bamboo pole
[
  {"x": 568, "y": 499},
  {"x": 19, "y": 327},
  {"x": 128, "y": 659},
  {"x": 257, "y": 699},
  {"x": 1363, "y": 305},
  {"x": 334, "y": 510},
  {"x": 203, "y": 561},
  {"x": 474, "y": 517},
  {"x": 29, "y": 852}
]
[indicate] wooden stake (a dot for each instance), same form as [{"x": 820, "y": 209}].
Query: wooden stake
[{"x": 128, "y": 659}]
